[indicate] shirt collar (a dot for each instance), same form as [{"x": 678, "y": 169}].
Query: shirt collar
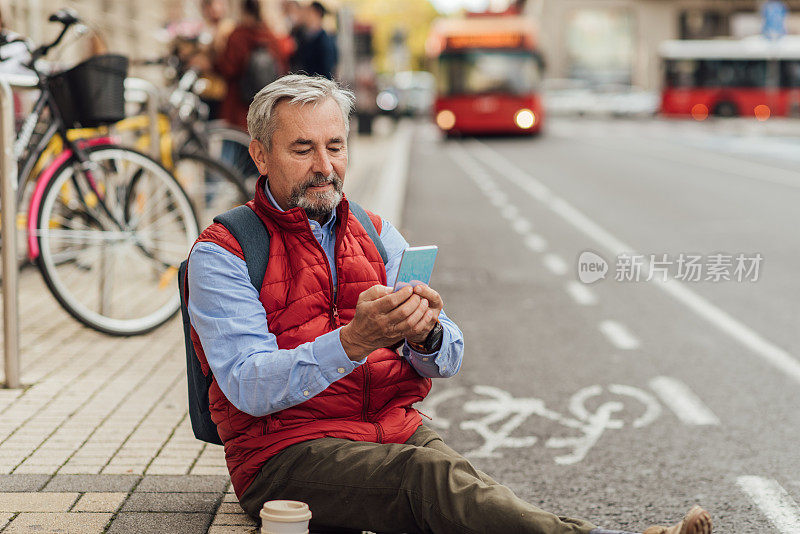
[{"x": 328, "y": 224}]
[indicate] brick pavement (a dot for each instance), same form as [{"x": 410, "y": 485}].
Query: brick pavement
[{"x": 99, "y": 439}]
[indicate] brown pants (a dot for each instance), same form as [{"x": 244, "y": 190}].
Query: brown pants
[{"x": 420, "y": 486}]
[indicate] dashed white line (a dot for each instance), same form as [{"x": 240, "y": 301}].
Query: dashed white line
[
  {"x": 497, "y": 198},
  {"x": 535, "y": 242},
  {"x": 509, "y": 211},
  {"x": 581, "y": 294},
  {"x": 774, "y": 502},
  {"x": 555, "y": 264},
  {"x": 768, "y": 351},
  {"x": 682, "y": 401},
  {"x": 618, "y": 335},
  {"x": 521, "y": 226}
]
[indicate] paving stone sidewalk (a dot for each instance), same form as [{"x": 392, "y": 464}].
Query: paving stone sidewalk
[{"x": 99, "y": 439}]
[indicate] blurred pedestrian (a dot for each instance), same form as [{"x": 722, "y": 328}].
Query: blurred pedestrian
[
  {"x": 292, "y": 15},
  {"x": 251, "y": 34},
  {"x": 217, "y": 27},
  {"x": 316, "y": 51}
]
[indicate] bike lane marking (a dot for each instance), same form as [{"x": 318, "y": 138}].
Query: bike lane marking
[
  {"x": 773, "y": 501},
  {"x": 498, "y": 414},
  {"x": 682, "y": 401},
  {"x": 779, "y": 358},
  {"x": 619, "y": 335}
]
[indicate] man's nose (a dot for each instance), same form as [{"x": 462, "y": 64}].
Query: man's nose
[{"x": 322, "y": 162}]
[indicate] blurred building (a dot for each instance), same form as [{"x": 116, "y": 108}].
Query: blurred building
[
  {"x": 123, "y": 26},
  {"x": 616, "y": 41}
]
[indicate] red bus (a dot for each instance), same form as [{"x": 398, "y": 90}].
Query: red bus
[
  {"x": 751, "y": 77},
  {"x": 488, "y": 74}
]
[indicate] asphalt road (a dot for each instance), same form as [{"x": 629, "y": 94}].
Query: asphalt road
[{"x": 623, "y": 402}]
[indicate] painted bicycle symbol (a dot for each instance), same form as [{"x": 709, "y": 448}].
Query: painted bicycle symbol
[{"x": 501, "y": 408}]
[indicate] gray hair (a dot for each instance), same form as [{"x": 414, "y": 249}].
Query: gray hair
[{"x": 297, "y": 89}]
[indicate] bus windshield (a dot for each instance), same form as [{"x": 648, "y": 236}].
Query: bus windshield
[{"x": 476, "y": 72}]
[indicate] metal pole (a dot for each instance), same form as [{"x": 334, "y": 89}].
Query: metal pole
[
  {"x": 8, "y": 175},
  {"x": 151, "y": 104}
]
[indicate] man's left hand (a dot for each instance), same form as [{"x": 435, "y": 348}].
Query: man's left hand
[{"x": 426, "y": 315}]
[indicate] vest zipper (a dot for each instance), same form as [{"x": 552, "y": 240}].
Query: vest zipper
[
  {"x": 364, "y": 411},
  {"x": 334, "y": 311},
  {"x": 334, "y": 316}
]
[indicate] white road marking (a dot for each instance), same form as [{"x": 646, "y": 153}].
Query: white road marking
[
  {"x": 619, "y": 335},
  {"x": 774, "y": 502},
  {"x": 682, "y": 401},
  {"x": 521, "y": 226},
  {"x": 535, "y": 242},
  {"x": 581, "y": 294},
  {"x": 504, "y": 415},
  {"x": 497, "y": 198},
  {"x": 555, "y": 264},
  {"x": 392, "y": 190},
  {"x": 509, "y": 212},
  {"x": 768, "y": 351}
]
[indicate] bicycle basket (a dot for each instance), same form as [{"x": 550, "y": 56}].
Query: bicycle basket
[{"x": 91, "y": 93}]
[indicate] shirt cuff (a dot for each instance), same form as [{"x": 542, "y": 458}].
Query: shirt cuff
[
  {"x": 435, "y": 363},
  {"x": 333, "y": 361}
]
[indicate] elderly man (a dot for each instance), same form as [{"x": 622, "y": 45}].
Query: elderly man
[{"x": 315, "y": 375}]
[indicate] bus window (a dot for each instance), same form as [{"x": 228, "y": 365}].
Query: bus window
[
  {"x": 790, "y": 73},
  {"x": 478, "y": 72},
  {"x": 681, "y": 72},
  {"x": 732, "y": 73}
]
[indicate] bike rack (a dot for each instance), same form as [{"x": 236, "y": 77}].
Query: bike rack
[
  {"x": 151, "y": 102},
  {"x": 8, "y": 176}
]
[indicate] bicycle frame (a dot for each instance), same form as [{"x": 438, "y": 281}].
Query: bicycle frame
[
  {"x": 26, "y": 167},
  {"x": 41, "y": 185}
]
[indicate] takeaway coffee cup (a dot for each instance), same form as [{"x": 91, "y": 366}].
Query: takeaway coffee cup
[{"x": 285, "y": 517}]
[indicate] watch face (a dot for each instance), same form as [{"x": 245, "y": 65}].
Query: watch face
[{"x": 434, "y": 339}]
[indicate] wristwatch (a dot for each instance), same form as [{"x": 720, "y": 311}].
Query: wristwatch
[{"x": 432, "y": 343}]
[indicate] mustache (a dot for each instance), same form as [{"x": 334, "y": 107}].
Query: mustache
[{"x": 320, "y": 179}]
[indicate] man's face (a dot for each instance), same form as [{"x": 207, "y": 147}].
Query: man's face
[{"x": 308, "y": 159}]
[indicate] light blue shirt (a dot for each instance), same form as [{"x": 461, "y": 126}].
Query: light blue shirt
[{"x": 253, "y": 373}]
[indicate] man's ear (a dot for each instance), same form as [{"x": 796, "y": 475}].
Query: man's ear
[{"x": 259, "y": 154}]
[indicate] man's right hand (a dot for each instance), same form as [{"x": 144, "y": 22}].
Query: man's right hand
[{"x": 382, "y": 319}]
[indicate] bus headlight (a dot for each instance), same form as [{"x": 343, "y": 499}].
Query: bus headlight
[
  {"x": 446, "y": 119},
  {"x": 525, "y": 118}
]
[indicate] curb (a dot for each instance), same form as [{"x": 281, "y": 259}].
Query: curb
[{"x": 390, "y": 191}]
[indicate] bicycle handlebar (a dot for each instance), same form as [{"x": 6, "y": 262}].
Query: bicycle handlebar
[{"x": 67, "y": 17}]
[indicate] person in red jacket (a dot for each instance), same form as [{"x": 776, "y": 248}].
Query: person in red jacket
[
  {"x": 315, "y": 374},
  {"x": 232, "y": 63}
]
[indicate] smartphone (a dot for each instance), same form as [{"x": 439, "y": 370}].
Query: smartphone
[{"x": 416, "y": 266}]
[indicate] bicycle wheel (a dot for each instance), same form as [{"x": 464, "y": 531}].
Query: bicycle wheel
[
  {"x": 212, "y": 186},
  {"x": 110, "y": 258},
  {"x": 232, "y": 147}
]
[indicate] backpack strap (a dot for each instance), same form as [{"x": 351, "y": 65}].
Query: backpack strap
[
  {"x": 248, "y": 229},
  {"x": 368, "y": 225}
]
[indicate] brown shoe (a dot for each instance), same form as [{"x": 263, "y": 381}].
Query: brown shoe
[{"x": 696, "y": 521}]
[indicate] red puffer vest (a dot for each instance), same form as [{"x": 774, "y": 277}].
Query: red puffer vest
[{"x": 373, "y": 403}]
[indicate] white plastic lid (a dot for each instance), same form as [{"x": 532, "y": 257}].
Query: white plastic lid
[{"x": 285, "y": 511}]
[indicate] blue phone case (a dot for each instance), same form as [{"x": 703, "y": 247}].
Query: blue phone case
[{"x": 416, "y": 266}]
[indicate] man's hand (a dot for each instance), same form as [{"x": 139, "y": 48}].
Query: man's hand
[
  {"x": 383, "y": 318},
  {"x": 431, "y": 304}
]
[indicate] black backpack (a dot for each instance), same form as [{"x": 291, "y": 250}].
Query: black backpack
[
  {"x": 260, "y": 71},
  {"x": 247, "y": 228}
]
